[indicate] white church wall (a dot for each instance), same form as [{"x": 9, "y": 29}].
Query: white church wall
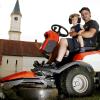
[
  {"x": 29, "y": 61},
  {"x": 10, "y": 65},
  {"x": 13, "y": 64}
]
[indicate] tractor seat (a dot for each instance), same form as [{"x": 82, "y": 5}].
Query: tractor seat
[
  {"x": 98, "y": 41},
  {"x": 69, "y": 58},
  {"x": 77, "y": 50},
  {"x": 88, "y": 49}
]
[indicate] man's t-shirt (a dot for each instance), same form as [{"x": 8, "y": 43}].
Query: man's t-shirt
[{"x": 91, "y": 24}]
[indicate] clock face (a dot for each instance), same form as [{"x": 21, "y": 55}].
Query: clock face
[{"x": 15, "y": 18}]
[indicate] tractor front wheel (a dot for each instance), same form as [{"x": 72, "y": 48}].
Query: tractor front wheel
[{"x": 77, "y": 82}]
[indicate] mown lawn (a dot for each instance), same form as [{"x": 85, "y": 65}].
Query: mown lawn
[
  {"x": 27, "y": 94},
  {"x": 95, "y": 96}
]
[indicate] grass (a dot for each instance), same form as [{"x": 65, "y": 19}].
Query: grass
[
  {"x": 95, "y": 96},
  {"x": 26, "y": 92}
]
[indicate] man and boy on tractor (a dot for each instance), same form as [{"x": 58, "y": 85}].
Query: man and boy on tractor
[{"x": 83, "y": 38}]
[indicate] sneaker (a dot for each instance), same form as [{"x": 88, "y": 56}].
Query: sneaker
[
  {"x": 50, "y": 66},
  {"x": 53, "y": 65}
]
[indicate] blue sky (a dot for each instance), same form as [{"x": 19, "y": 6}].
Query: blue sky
[{"x": 39, "y": 15}]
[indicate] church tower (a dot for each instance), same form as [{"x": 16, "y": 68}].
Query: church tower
[{"x": 14, "y": 32}]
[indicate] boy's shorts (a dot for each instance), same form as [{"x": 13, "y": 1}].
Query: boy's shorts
[{"x": 73, "y": 44}]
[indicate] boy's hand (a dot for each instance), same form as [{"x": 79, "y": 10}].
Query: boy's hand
[{"x": 73, "y": 34}]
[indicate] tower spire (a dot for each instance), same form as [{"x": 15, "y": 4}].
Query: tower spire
[
  {"x": 14, "y": 33},
  {"x": 16, "y": 9}
]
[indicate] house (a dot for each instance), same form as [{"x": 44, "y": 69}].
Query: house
[{"x": 18, "y": 56}]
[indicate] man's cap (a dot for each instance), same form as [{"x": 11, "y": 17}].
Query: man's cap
[{"x": 84, "y": 8}]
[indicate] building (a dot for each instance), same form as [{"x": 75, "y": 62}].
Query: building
[
  {"x": 17, "y": 55},
  {"x": 14, "y": 32}
]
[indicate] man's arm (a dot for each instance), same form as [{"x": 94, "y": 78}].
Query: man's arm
[
  {"x": 89, "y": 34},
  {"x": 84, "y": 34}
]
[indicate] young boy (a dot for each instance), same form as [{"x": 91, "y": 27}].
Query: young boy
[{"x": 77, "y": 27}]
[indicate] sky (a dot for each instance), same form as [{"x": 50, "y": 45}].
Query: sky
[{"x": 39, "y": 15}]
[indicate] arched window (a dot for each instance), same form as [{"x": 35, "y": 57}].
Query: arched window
[
  {"x": 16, "y": 62},
  {"x": 7, "y": 61}
]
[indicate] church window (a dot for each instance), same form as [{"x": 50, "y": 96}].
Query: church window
[
  {"x": 16, "y": 62},
  {"x": 15, "y": 18},
  {"x": 7, "y": 61}
]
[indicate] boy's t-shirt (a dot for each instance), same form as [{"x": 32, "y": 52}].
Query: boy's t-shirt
[{"x": 77, "y": 27}]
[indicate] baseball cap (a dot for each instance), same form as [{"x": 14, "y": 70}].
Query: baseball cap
[{"x": 84, "y": 8}]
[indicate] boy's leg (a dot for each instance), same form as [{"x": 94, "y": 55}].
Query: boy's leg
[{"x": 80, "y": 40}]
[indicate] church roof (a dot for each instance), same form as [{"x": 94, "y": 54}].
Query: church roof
[
  {"x": 16, "y": 9},
  {"x": 19, "y": 48}
]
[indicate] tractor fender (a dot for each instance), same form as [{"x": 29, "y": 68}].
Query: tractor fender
[{"x": 72, "y": 64}]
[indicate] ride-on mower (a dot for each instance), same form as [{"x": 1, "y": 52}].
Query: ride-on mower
[{"x": 77, "y": 75}]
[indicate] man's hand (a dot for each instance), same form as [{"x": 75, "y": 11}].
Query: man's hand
[
  {"x": 73, "y": 34},
  {"x": 80, "y": 32}
]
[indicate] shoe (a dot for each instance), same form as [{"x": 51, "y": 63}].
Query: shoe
[
  {"x": 50, "y": 66},
  {"x": 53, "y": 65}
]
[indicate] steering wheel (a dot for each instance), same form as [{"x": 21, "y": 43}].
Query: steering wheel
[{"x": 59, "y": 29}]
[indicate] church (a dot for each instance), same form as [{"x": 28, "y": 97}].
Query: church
[{"x": 17, "y": 55}]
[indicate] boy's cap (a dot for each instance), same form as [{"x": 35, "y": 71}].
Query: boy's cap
[{"x": 85, "y": 8}]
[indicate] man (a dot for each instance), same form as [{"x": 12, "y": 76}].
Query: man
[{"x": 89, "y": 37}]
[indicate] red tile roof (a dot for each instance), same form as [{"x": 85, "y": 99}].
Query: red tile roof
[{"x": 19, "y": 48}]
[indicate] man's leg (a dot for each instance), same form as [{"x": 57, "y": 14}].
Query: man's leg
[{"x": 62, "y": 49}]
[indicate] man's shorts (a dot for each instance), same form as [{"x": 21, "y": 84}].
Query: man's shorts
[{"x": 74, "y": 45}]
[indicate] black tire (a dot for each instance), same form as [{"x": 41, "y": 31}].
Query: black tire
[
  {"x": 77, "y": 82},
  {"x": 58, "y": 78}
]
